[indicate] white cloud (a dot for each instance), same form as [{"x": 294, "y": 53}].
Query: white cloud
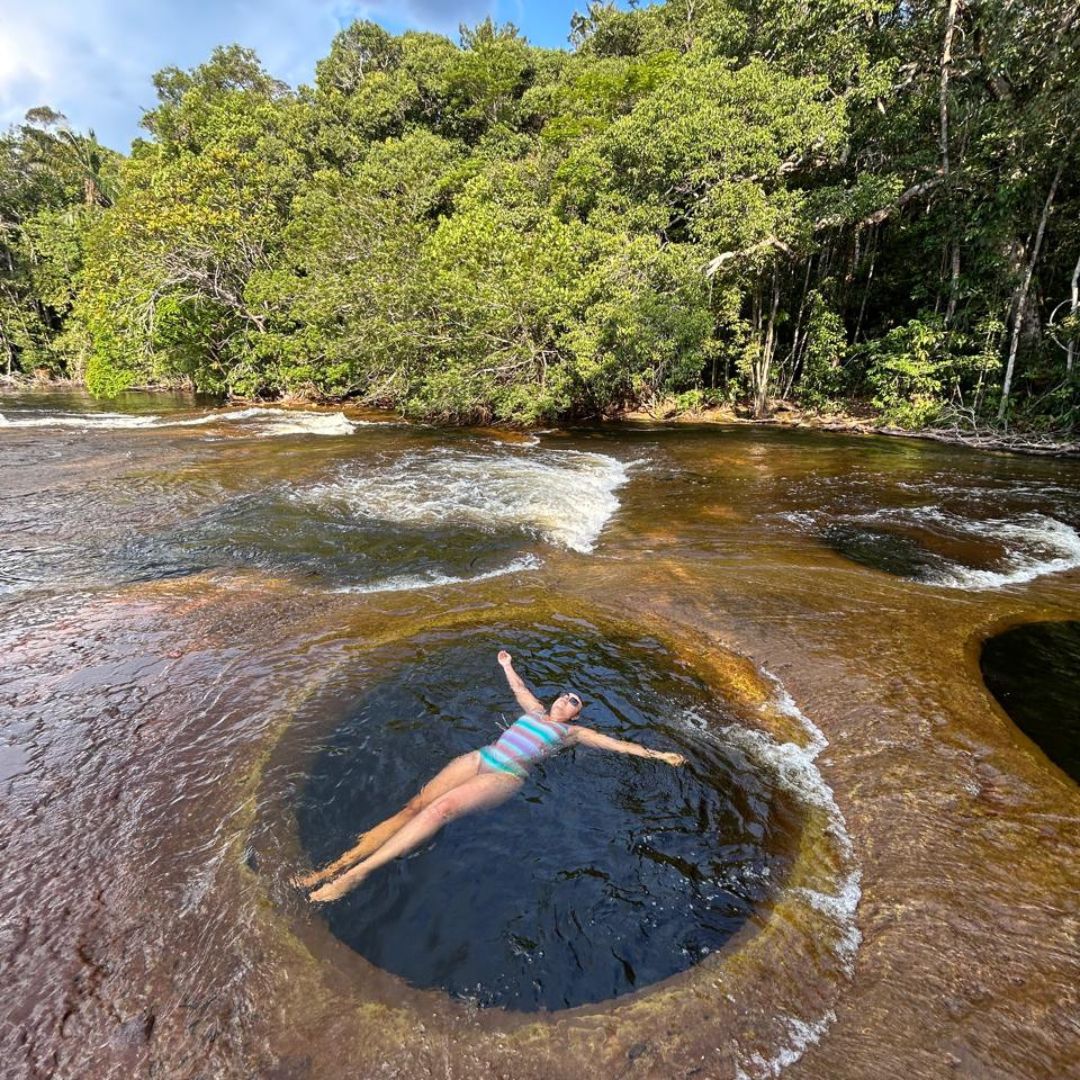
[{"x": 93, "y": 61}]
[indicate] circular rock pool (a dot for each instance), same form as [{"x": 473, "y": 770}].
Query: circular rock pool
[{"x": 606, "y": 873}]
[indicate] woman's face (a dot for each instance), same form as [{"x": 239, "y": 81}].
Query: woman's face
[{"x": 565, "y": 707}]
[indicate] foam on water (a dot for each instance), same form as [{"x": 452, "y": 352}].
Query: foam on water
[
  {"x": 800, "y": 1036},
  {"x": 405, "y": 582},
  {"x": 104, "y": 421},
  {"x": 795, "y": 768},
  {"x": 256, "y": 420},
  {"x": 279, "y": 421},
  {"x": 1035, "y": 544},
  {"x": 840, "y": 907},
  {"x": 564, "y": 496}
]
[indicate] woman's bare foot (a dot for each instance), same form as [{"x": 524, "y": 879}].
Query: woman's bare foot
[
  {"x": 335, "y": 890},
  {"x": 305, "y": 881}
]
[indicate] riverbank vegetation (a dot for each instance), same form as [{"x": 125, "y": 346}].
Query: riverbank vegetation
[{"x": 851, "y": 204}]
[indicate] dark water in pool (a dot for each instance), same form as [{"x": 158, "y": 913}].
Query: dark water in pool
[
  {"x": 604, "y": 874},
  {"x": 891, "y": 552},
  {"x": 1034, "y": 672}
]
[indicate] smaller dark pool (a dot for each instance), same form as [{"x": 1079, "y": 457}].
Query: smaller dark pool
[
  {"x": 890, "y": 552},
  {"x": 1034, "y": 672},
  {"x": 914, "y": 550},
  {"x": 604, "y": 874}
]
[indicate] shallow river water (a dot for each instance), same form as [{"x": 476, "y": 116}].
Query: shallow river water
[{"x": 233, "y": 639}]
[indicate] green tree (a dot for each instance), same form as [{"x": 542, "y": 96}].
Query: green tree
[
  {"x": 165, "y": 287},
  {"x": 54, "y": 182}
]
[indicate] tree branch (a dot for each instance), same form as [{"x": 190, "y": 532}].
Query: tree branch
[{"x": 763, "y": 245}]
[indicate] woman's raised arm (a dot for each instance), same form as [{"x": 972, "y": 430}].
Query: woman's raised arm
[{"x": 525, "y": 698}]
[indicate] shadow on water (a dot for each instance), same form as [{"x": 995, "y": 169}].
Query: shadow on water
[
  {"x": 604, "y": 874},
  {"x": 51, "y": 402},
  {"x": 1034, "y": 672},
  {"x": 271, "y": 531},
  {"x": 892, "y": 553},
  {"x": 921, "y": 548}
]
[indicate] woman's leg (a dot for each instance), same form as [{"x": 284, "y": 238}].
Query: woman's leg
[
  {"x": 480, "y": 793},
  {"x": 457, "y": 772}
]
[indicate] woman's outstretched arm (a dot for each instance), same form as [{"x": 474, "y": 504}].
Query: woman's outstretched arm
[
  {"x": 525, "y": 698},
  {"x": 587, "y": 737}
]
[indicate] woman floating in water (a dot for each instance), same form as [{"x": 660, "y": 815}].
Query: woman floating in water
[{"x": 474, "y": 781}]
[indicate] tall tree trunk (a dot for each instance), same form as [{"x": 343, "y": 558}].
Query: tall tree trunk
[
  {"x": 1075, "y": 296},
  {"x": 954, "y": 284},
  {"x": 982, "y": 371},
  {"x": 761, "y": 380},
  {"x": 943, "y": 104},
  {"x": 940, "y": 277},
  {"x": 1021, "y": 296},
  {"x": 943, "y": 91},
  {"x": 796, "y": 337},
  {"x": 866, "y": 293}
]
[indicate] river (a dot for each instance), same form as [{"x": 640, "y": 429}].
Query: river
[{"x": 234, "y": 637}]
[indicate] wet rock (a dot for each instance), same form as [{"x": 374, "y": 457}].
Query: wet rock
[
  {"x": 289, "y": 1069},
  {"x": 135, "y": 1033}
]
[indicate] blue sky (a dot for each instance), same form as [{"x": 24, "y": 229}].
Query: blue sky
[{"x": 93, "y": 59}]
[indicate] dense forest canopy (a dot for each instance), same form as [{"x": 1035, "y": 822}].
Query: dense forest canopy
[{"x": 838, "y": 202}]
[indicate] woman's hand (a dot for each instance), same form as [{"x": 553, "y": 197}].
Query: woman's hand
[
  {"x": 671, "y": 758},
  {"x": 505, "y": 658}
]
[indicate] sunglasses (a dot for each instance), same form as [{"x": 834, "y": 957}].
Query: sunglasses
[{"x": 572, "y": 698}]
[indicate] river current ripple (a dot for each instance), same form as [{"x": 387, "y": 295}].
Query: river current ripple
[{"x": 188, "y": 595}]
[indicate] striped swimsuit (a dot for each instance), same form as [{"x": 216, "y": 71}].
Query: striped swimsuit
[{"x": 527, "y": 740}]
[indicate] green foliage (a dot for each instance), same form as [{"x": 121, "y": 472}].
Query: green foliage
[
  {"x": 345, "y": 300},
  {"x": 723, "y": 199},
  {"x": 486, "y": 78},
  {"x": 165, "y": 286},
  {"x": 915, "y": 370},
  {"x": 823, "y": 375},
  {"x": 53, "y": 184},
  {"x": 696, "y": 400},
  {"x": 645, "y": 325},
  {"x": 907, "y": 369}
]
